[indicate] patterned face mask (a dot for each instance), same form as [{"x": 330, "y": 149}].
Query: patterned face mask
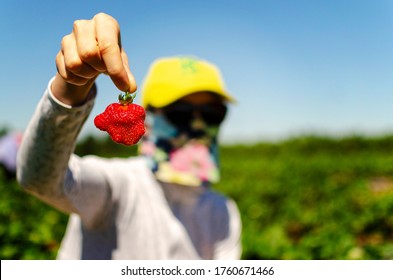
[{"x": 185, "y": 156}]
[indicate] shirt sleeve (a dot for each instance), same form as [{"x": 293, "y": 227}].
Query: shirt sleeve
[{"x": 46, "y": 166}]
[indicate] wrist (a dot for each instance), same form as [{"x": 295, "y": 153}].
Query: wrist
[{"x": 70, "y": 94}]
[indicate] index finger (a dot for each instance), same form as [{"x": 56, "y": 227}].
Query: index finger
[{"x": 109, "y": 45}]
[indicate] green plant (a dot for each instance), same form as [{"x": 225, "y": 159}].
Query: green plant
[{"x": 304, "y": 198}]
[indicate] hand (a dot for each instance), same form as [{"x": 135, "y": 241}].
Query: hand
[{"x": 93, "y": 47}]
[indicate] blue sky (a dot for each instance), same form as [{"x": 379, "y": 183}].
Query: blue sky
[{"x": 294, "y": 66}]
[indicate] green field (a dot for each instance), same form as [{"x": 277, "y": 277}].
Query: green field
[{"x": 302, "y": 198}]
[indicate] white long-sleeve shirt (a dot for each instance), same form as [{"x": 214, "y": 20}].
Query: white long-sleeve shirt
[{"x": 118, "y": 209}]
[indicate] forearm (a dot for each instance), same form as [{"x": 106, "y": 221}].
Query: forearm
[{"x": 46, "y": 148}]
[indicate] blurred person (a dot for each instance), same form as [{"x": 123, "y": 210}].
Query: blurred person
[
  {"x": 158, "y": 205},
  {"x": 9, "y": 146}
]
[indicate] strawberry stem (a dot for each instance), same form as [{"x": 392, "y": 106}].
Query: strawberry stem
[{"x": 126, "y": 97}]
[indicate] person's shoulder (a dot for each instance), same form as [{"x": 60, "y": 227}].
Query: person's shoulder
[
  {"x": 215, "y": 194},
  {"x": 219, "y": 202},
  {"x": 216, "y": 199}
]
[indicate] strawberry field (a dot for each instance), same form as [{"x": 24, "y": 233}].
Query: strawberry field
[{"x": 303, "y": 198}]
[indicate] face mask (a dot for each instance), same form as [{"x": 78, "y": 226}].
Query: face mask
[{"x": 185, "y": 156}]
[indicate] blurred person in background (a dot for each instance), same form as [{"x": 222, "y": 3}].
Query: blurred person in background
[
  {"x": 158, "y": 205},
  {"x": 9, "y": 146}
]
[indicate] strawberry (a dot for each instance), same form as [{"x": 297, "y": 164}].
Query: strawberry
[{"x": 124, "y": 121}]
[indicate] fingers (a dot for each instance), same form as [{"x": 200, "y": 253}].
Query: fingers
[
  {"x": 73, "y": 59},
  {"x": 67, "y": 75},
  {"x": 109, "y": 44},
  {"x": 92, "y": 48},
  {"x": 86, "y": 44}
]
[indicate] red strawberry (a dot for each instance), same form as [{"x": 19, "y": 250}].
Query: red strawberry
[{"x": 123, "y": 122}]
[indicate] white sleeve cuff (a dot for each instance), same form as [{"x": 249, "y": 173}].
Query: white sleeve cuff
[
  {"x": 54, "y": 98},
  {"x": 91, "y": 96}
]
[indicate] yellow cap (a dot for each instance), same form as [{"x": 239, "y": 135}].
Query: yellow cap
[{"x": 172, "y": 78}]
